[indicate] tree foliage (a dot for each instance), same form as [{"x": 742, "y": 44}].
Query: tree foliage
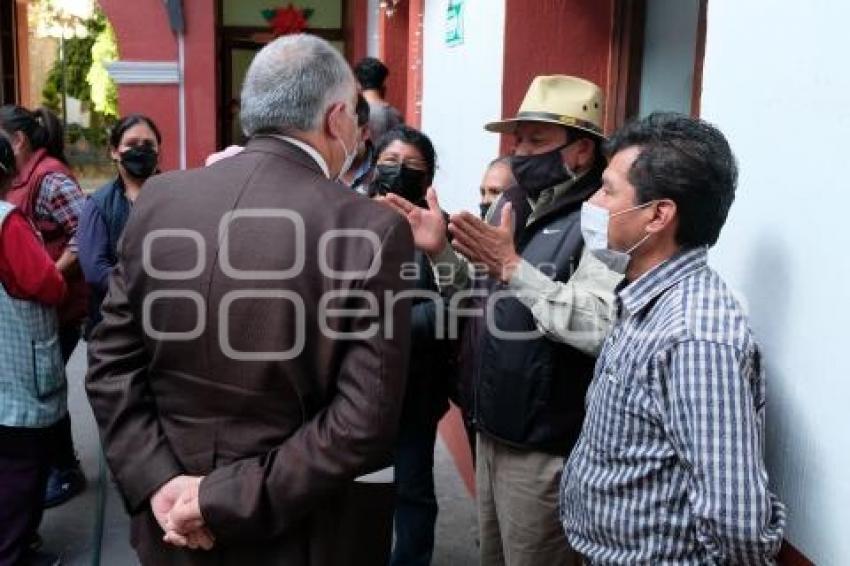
[{"x": 103, "y": 94}]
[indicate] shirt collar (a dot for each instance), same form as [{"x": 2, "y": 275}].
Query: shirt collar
[
  {"x": 309, "y": 150},
  {"x": 555, "y": 192},
  {"x": 636, "y": 295}
]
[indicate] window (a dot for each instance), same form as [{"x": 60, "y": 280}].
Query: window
[{"x": 657, "y": 48}]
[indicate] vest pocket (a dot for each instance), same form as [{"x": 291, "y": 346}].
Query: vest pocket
[{"x": 48, "y": 370}]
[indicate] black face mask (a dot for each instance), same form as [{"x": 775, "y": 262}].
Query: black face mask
[
  {"x": 401, "y": 180},
  {"x": 534, "y": 173},
  {"x": 485, "y": 208},
  {"x": 140, "y": 161}
]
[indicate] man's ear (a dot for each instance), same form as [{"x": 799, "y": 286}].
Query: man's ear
[
  {"x": 579, "y": 154},
  {"x": 332, "y": 119},
  {"x": 585, "y": 152},
  {"x": 665, "y": 216}
]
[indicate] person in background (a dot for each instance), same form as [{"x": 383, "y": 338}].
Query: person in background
[
  {"x": 359, "y": 174},
  {"x": 372, "y": 75},
  {"x": 669, "y": 467},
  {"x": 134, "y": 146},
  {"x": 406, "y": 164},
  {"x": 498, "y": 177},
  {"x": 47, "y": 193},
  {"x": 32, "y": 375}
]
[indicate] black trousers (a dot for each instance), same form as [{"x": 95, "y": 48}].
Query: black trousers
[{"x": 24, "y": 464}]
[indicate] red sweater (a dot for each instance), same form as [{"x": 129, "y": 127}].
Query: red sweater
[{"x": 26, "y": 271}]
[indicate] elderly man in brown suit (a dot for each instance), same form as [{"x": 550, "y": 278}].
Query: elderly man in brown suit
[{"x": 249, "y": 366}]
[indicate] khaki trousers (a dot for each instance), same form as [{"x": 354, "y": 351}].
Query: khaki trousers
[{"x": 518, "y": 507}]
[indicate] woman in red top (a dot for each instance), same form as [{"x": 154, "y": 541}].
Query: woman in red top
[
  {"x": 28, "y": 273},
  {"x": 47, "y": 193}
]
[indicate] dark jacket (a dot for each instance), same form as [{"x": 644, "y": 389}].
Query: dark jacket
[
  {"x": 431, "y": 362},
  {"x": 101, "y": 225},
  {"x": 279, "y": 414},
  {"x": 530, "y": 392}
]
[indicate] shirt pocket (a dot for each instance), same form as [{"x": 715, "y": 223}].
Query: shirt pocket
[
  {"x": 621, "y": 418},
  {"x": 48, "y": 369}
]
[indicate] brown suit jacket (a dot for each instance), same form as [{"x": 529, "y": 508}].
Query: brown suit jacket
[{"x": 214, "y": 357}]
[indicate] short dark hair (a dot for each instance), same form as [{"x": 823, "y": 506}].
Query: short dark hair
[
  {"x": 417, "y": 139},
  {"x": 362, "y": 111},
  {"x": 127, "y": 122},
  {"x": 688, "y": 161},
  {"x": 41, "y": 127},
  {"x": 503, "y": 160},
  {"x": 371, "y": 73}
]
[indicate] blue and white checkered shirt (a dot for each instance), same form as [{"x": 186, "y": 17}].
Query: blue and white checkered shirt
[{"x": 669, "y": 466}]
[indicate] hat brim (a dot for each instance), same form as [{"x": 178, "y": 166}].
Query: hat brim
[{"x": 509, "y": 125}]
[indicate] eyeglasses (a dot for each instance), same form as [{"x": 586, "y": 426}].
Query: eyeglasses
[{"x": 417, "y": 164}]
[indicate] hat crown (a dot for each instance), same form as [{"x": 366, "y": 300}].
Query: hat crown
[
  {"x": 559, "y": 99},
  {"x": 564, "y": 96}
]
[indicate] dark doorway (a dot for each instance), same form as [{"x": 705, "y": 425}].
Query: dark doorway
[{"x": 8, "y": 53}]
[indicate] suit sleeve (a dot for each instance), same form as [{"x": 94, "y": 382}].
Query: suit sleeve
[
  {"x": 136, "y": 449},
  {"x": 354, "y": 434}
]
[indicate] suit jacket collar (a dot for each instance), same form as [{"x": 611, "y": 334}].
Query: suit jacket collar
[{"x": 289, "y": 148}]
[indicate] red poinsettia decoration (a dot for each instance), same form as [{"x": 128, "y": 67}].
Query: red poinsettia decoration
[{"x": 284, "y": 21}]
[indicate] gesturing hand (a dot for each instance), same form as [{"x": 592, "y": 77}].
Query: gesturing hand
[
  {"x": 481, "y": 243},
  {"x": 427, "y": 224}
]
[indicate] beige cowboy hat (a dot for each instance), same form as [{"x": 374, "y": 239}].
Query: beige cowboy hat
[{"x": 558, "y": 99}]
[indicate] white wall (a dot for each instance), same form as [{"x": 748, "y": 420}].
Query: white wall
[
  {"x": 462, "y": 90},
  {"x": 777, "y": 81}
]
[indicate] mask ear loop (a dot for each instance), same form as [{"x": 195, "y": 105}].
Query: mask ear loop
[
  {"x": 636, "y": 246},
  {"x": 638, "y": 207}
]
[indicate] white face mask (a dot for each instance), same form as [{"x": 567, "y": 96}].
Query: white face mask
[
  {"x": 349, "y": 157},
  {"x": 594, "y": 229}
]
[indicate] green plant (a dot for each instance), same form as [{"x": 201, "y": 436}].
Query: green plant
[
  {"x": 103, "y": 94},
  {"x": 78, "y": 61}
]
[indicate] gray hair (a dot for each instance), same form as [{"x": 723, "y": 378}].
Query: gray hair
[{"x": 290, "y": 84}]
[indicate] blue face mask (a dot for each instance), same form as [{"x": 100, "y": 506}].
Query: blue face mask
[{"x": 594, "y": 229}]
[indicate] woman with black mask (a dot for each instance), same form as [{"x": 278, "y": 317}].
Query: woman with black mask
[
  {"x": 405, "y": 166},
  {"x": 134, "y": 146}
]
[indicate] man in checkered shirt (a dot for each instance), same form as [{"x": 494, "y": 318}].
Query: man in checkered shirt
[{"x": 669, "y": 467}]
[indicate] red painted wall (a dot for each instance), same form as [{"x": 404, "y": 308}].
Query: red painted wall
[
  {"x": 570, "y": 37},
  {"x": 415, "y": 52},
  {"x": 143, "y": 34},
  {"x": 354, "y": 27},
  {"x": 393, "y": 51},
  {"x": 201, "y": 81}
]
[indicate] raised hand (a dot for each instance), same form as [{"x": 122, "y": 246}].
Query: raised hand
[
  {"x": 481, "y": 243},
  {"x": 428, "y": 224}
]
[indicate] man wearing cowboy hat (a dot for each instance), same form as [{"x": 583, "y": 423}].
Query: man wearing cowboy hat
[{"x": 544, "y": 307}]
